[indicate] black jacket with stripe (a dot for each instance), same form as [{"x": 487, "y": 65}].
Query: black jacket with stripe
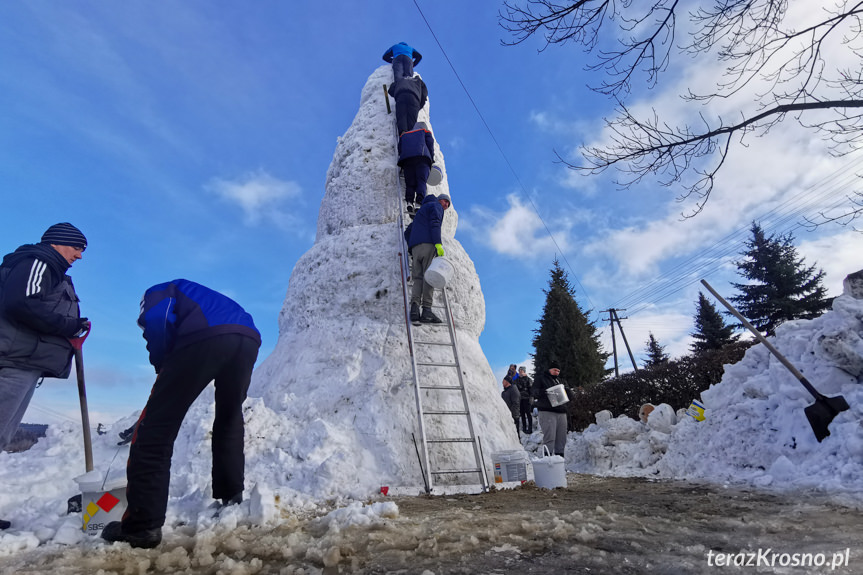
[{"x": 38, "y": 311}]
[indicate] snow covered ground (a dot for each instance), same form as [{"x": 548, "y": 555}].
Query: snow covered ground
[{"x": 755, "y": 431}]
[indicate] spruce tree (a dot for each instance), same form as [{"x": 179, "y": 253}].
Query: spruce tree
[
  {"x": 780, "y": 287},
  {"x": 711, "y": 331},
  {"x": 566, "y": 336},
  {"x": 655, "y": 353}
]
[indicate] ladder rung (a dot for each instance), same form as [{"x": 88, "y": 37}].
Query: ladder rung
[
  {"x": 429, "y": 364},
  {"x": 445, "y": 471},
  {"x": 452, "y": 440},
  {"x": 433, "y": 343},
  {"x": 445, "y": 412},
  {"x": 453, "y": 387}
]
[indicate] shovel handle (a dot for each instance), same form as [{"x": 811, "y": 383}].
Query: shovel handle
[
  {"x": 809, "y": 387},
  {"x": 85, "y": 413}
]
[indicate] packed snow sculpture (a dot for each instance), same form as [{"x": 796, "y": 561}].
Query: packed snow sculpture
[{"x": 340, "y": 375}]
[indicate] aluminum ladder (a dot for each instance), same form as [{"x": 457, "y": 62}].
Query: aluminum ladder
[{"x": 427, "y": 383}]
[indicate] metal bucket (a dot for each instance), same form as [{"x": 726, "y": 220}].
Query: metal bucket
[{"x": 556, "y": 395}]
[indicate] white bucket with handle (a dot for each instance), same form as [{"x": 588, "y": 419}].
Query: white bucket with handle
[
  {"x": 435, "y": 176},
  {"x": 439, "y": 272},
  {"x": 102, "y": 500},
  {"x": 549, "y": 471},
  {"x": 556, "y": 395}
]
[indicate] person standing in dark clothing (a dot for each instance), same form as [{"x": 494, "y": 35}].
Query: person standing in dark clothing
[
  {"x": 410, "y": 95},
  {"x": 416, "y": 156},
  {"x": 524, "y": 385},
  {"x": 403, "y": 59},
  {"x": 38, "y": 315},
  {"x": 195, "y": 335},
  {"x": 424, "y": 244},
  {"x": 552, "y": 418},
  {"x": 510, "y": 396}
]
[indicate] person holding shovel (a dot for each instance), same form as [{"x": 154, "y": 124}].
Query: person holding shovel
[
  {"x": 195, "y": 335},
  {"x": 38, "y": 315}
]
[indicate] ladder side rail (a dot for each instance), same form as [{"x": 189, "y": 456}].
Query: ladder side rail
[{"x": 451, "y": 327}]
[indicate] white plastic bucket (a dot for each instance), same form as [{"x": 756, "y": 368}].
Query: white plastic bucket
[
  {"x": 435, "y": 176},
  {"x": 549, "y": 471},
  {"x": 439, "y": 272},
  {"x": 556, "y": 395},
  {"x": 510, "y": 466},
  {"x": 102, "y": 501}
]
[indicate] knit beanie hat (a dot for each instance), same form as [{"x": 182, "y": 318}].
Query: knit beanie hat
[
  {"x": 64, "y": 234},
  {"x": 444, "y": 197},
  {"x": 553, "y": 365}
]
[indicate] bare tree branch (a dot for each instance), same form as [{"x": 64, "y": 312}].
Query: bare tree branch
[{"x": 632, "y": 42}]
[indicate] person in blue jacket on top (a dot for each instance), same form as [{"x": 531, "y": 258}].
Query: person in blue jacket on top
[
  {"x": 424, "y": 244},
  {"x": 416, "y": 156},
  {"x": 403, "y": 59},
  {"x": 195, "y": 335}
]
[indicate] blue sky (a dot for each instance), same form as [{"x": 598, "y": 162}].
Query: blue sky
[{"x": 192, "y": 139}]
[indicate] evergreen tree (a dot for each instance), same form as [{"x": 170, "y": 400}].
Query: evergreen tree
[
  {"x": 711, "y": 331},
  {"x": 655, "y": 353},
  {"x": 781, "y": 288},
  {"x": 566, "y": 336}
]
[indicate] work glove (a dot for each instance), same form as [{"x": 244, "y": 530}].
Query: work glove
[
  {"x": 439, "y": 249},
  {"x": 83, "y": 326}
]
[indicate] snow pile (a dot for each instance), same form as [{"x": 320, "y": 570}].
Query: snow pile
[
  {"x": 755, "y": 430},
  {"x": 332, "y": 410}
]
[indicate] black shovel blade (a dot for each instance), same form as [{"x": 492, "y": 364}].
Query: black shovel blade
[{"x": 822, "y": 412}]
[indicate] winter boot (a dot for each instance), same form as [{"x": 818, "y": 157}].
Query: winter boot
[
  {"x": 144, "y": 539},
  {"x": 415, "y": 313},
  {"x": 4, "y": 525},
  {"x": 429, "y": 317}
]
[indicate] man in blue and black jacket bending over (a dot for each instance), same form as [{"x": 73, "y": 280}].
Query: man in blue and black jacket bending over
[{"x": 194, "y": 335}]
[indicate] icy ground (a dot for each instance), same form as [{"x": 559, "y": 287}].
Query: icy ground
[{"x": 595, "y": 525}]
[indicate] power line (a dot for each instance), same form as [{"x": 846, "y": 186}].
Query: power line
[{"x": 503, "y": 154}]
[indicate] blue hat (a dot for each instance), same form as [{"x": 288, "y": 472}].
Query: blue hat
[{"x": 64, "y": 234}]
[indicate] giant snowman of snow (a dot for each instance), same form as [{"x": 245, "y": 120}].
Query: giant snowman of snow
[{"x": 341, "y": 371}]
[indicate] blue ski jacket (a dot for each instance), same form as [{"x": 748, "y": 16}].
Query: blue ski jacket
[
  {"x": 402, "y": 49},
  {"x": 425, "y": 228},
  {"x": 416, "y": 144},
  {"x": 181, "y": 312}
]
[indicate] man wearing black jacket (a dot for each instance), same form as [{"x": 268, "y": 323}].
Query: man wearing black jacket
[
  {"x": 38, "y": 314},
  {"x": 552, "y": 418}
]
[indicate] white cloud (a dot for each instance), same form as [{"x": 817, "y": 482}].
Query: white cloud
[
  {"x": 519, "y": 232},
  {"x": 838, "y": 255},
  {"x": 261, "y": 196}
]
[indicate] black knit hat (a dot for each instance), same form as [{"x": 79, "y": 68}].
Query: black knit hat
[
  {"x": 64, "y": 234},
  {"x": 553, "y": 365}
]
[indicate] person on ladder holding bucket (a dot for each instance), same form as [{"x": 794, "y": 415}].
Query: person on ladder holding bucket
[
  {"x": 424, "y": 244},
  {"x": 38, "y": 315},
  {"x": 195, "y": 335},
  {"x": 551, "y": 395}
]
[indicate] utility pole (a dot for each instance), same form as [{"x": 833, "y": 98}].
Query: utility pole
[{"x": 613, "y": 317}]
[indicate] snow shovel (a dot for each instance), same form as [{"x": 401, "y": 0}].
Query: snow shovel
[
  {"x": 78, "y": 343},
  {"x": 820, "y": 413}
]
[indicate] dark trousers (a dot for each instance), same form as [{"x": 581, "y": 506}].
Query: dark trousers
[
  {"x": 407, "y": 111},
  {"x": 228, "y": 359},
  {"x": 526, "y": 416},
  {"x": 517, "y": 429},
  {"x": 403, "y": 67},
  {"x": 416, "y": 172}
]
